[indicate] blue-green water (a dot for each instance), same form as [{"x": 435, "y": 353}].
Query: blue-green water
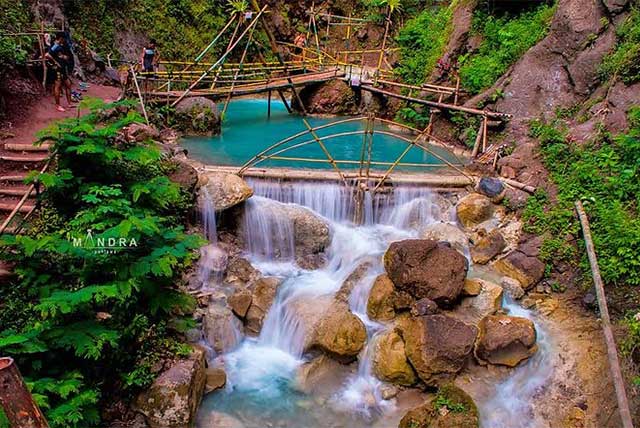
[{"x": 247, "y": 131}]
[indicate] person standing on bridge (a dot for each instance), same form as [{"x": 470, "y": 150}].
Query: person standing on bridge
[{"x": 149, "y": 60}]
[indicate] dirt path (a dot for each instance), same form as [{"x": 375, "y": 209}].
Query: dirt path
[{"x": 42, "y": 113}]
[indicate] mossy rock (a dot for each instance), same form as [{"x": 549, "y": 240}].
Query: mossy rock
[{"x": 451, "y": 407}]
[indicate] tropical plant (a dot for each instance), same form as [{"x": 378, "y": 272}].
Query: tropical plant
[
  {"x": 97, "y": 286},
  {"x": 237, "y": 6}
]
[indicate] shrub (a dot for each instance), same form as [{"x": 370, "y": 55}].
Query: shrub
[
  {"x": 504, "y": 40},
  {"x": 84, "y": 320},
  {"x": 623, "y": 61}
]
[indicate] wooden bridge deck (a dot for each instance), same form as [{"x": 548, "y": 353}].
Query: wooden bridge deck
[{"x": 275, "y": 84}]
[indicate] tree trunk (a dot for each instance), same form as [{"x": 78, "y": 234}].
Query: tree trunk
[{"x": 16, "y": 399}]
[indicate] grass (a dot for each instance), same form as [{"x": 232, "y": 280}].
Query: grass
[
  {"x": 623, "y": 61},
  {"x": 504, "y": 40}
]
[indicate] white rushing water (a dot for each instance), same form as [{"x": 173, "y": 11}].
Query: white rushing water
[{"x": 261, "y": 370}]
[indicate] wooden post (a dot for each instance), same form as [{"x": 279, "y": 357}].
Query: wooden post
[
  {"x": 269, "y": 104},
  {"x": 16, "y": 400},
  {"x": 42, "y": 58},
  {"x": 384, "y": 42},
  {"x": 614, "y": 364}
]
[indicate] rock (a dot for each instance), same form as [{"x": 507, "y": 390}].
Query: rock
[
  {"x": 264, "y": 293},
  {"x": 474, "y": 209},
  {"x": 340, "y": 334},
  {"x": 473, "y": 309},
  {"x": 216, "y": 378},
  {"x": 352, "y": 280},
  {"x": 505, "y": 340},
  {"x": 528, "y": 270},
  {"x": 313, "y": 374},
  {"x": 458, "y": 411},
  {"x": 240, "y": 302},
  {"x": 447, "y": 233},
  {"x": 333, "y": 97},
  {"x": 487, "y": 247},
  {"x": 139, "y": 132},
  {"x": 515, "y": 199},
  {"x": 185, "y": 175},
  {"x": 387, "y": 392},
  {"x": 173, "y": 398},
  {"x": 225, "y": 191},
  {"x": 390, "y": 362},
  {"x": 380, "y": 305},
  {"x": 437, "y": 346},
  {"x": 512, "y": 287},
  {"x": 493, "y": 188},
  {"x": 222, "y": 329},
  {"x": 424, "y": 307},
  {"x": 197, "y": 115},
  {"x": 589, "y": 301},
  {"x": 240, "y": 271},
  {"x": 472, "y": 287},
  {"x": 222, "y": 420},
  {"x": 424, "y": 268},
  {"x": 312, "y": 234},
  {"x": 311, "y": 261}
]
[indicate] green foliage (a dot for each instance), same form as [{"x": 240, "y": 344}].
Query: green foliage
[
  {"x": 442, "y": 400},
  {"x": 413, "y": 115},
  {"x": 605, "y": 173},
  {"x": 15, "y": 17},
  {"x": 237, "y": 6},
  {"x": 466, "y": 127},
  {"x": 97, "y": 287},
  {"x": 182, "y": 28},
  {"x": 623, "y": 61},
  {"x": 422, "y": 41},
  {"x": 504, "y": 40}
]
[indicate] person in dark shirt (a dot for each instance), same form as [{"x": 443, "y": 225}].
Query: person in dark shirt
[
  {"x": 149, "y": 60},
  {"x": 58, "y": 56}
]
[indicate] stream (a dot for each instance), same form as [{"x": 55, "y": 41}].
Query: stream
[{"x": 261, "y": 388}]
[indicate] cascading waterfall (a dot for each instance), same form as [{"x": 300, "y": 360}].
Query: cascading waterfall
[
  {"x": 212, "y": 259},
  {"x": 261, "y": 370}
]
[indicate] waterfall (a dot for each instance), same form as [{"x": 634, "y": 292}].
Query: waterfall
[
  {"x": 212, "y": 258},
  {"x": 261, "y": 371}
]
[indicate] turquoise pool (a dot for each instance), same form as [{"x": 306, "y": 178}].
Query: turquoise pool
[{"x": 247, "y": 131}]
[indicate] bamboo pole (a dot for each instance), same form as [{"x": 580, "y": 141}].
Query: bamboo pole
[
  {"x": 135, "y": 81},
  {"x": 235, "y": 77},
  {"x": 518, "y": 185},
  {"x": 324, "y": 149},
  {"x": 495, "y": 115},
  {"x": 384, "y": 40},
  {"x": 16, "y": 400},
  {"x": 44, "y": 61},
  {"x": 221, "y": 60},
  {"x": 614, "y": 364}
]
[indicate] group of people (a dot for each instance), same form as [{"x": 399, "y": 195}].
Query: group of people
[{"x": 60, "y": 60}]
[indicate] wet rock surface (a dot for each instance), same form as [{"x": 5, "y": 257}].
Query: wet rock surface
[
  {"x": 487, "y": 247},
  {"x": 222, "y": 329},
  {"x": 437, "y": 346},
  {"x": 451, "y": 408},
  {"x": 424, "y": 268},
  {"x": 505, "y": 340},
  {"x": 474, "y": 209},
  {"x": 264, "y": 293},
  {"x": 227, "y": 190},
  {"x": 446, "y": 232},
  {"x": 390, "y": 362}
]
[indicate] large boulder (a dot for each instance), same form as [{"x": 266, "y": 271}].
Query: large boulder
[
  {"x": 437, "y": 346},
  {"x": 225, "y": 191},
  {"x": 333, "y": 97},
  {"x": 528, "y": 270},
  {"x": 474, "y": 209},
  {"x": 222, "y": 329},
  {"x": 184, "y": 175},
  {"x": 450, "y": 408},
  {"x": 487, "y": 247},
  {"x": 197, "y": 116},
  {"x": 390, "y": 362},
  {"x": 312, "y": 234},
  {"x": 264, "y": 293},
  {"x": 173, "y": 398},
  {"x": 446, "y": 232},
  {"x": 505, "y": 340},
  {"x": 424, "y": 268},
  {"x": 340, "y": 334},
  {"x": 472, "y": 309},
  {"x": 240, "y": 301}
]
